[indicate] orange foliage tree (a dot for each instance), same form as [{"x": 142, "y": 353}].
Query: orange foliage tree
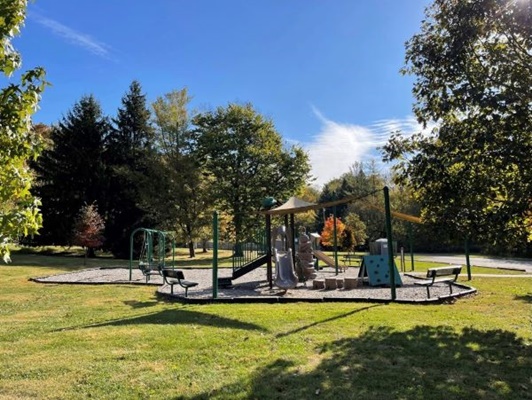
[{"x": 327, "y": 235}]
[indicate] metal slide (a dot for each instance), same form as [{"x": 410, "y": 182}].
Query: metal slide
[
  {"x": 284, "y": 270},
  {"x": 320, "y": 255}
]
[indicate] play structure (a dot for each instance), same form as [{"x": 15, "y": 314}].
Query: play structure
[
  {"x": 381, "y": 273},
  {"x": 284, "y": 270},
  {"x": 151, "y": 258},
  {"x": 376, "y": 272},
  {"x": 305, "y": 264}
]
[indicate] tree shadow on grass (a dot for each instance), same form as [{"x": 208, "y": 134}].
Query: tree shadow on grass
[
  {"x": 141, "y": 304},
  {"x": 527, "y": 298},
  {"x": 176, "y": 317},
  {"x": 421, "y": 363}
]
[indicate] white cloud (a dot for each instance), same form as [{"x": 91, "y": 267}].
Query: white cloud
[
  {"x": 339, "y": 145},
  {"x": 70, "y": 35}
]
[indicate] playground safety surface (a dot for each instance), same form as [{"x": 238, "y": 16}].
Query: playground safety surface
[{"x": 254, "y": 287}]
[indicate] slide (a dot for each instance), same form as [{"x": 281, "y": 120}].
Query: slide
[
  {"x": 284, "y": 270},
  {"x": 320, "y": 255}
]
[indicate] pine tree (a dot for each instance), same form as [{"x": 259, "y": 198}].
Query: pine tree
[
  {"x": 72, "y": 172},
  {"x": 129, "y": 153}
]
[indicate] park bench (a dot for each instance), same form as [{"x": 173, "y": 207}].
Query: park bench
[
  {"x": 447, "y": 275},
  {"x": 176, "y": 277},
  {"x": 352, "y": 260}
]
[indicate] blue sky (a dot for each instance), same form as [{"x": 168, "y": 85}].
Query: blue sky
[{"x": 326, "y": 72}]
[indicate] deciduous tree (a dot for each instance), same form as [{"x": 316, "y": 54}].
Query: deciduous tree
[
  {"x": 183, "y": 202},
  {"x": 472, "y": 63},
  {"x": 88, "y": 229},
  {"x": 19, "y": 209},
  {"x": 327, "y": 234},
  {"x": 245, "y": 155}
]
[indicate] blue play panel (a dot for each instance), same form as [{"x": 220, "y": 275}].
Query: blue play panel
[{"x": 376, "y": 269}]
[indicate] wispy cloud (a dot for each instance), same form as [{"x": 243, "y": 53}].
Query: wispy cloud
[
  {"x": 72, "y": 36},
  {"x": 339, "y": 145}
]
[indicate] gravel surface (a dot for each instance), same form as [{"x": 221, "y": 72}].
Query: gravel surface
[{"x": 254, "y": 284}]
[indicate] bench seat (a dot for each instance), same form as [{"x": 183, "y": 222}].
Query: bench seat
[
  {"x": 447, "y": 275},
  {"x": 176, "y": 277}
]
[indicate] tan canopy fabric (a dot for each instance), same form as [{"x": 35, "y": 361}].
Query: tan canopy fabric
[{"x": 292, "y": 206}]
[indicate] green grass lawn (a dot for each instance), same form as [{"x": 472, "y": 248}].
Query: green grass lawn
[{"x": 122, "y": 342}]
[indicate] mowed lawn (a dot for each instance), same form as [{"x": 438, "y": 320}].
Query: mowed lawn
[{"x": 122, "y": 342}]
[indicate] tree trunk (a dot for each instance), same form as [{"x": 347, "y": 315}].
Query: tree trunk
[
  {"x": 90, "y": 252},
  {"x": 191, "y": 251},
  {"x": 204, "y": 245}
]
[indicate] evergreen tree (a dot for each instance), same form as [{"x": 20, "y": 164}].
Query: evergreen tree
[
  {"x": 128, "y": 155},
  {"x": 72, "y": 172}
]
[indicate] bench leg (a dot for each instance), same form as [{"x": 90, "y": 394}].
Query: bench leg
[
  {"x": 428, "y": 293},
  {"x": 172, "y": 288},
  {"x": 450, "y": 288},
  {"x": 186, "y": 292}
]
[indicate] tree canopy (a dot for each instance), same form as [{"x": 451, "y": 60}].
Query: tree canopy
[
  {"x": 183, "y": 202},
  {"x": 245, "y": 155},
  {"x": 19, "y": 143},
  {"x": 472, "y": 63},
  {"x": 73, "y": 171},
  {"x": 129, "y": 153}
]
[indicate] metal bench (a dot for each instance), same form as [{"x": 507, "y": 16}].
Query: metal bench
[
  {"x": 176, "y": 277},
  {"x": 434, "y": 275}
]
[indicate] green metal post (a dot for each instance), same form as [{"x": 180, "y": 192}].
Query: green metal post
[
  {"x": 335, "y": 241},
  {"x": 131, "y": 254},
  {"x": 150, "y": 247},
  {"x": 390, "y": 241},
  {"x": 411, "y": 240},
  {"x": 269, "y": 269},
  {"x": 173, "y": 254},
  {"x": 293, "y": 243},
  {"x": 468, "y": 263},
  {"x": 214, "y": 255}
]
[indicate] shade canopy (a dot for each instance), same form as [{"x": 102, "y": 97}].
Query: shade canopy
[{"x": 293, "y": 206}]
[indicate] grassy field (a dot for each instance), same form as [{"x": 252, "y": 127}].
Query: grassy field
[{"x": 122, "y": 342}]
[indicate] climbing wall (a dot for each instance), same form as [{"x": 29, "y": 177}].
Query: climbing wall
[{"x": 376, "y": 269}]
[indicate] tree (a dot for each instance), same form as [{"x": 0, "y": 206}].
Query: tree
[
  {"x": 184, "y": 201},
  {"x": 19, "y": 209},
  {"x": 357, "y": 228},
  {"x": 365, "y": 182},
  {"x": 244, "y": 154},
  {"x": 73, "y": 172},
  {"x": 129, "y": 153},
  {"x": 473, "y": 67},
  {"x": 327, "y": 235},
  {"x": 308, "y": 218},
  {"x": 88, "y": 229}
]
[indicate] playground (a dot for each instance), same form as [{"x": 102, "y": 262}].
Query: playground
[
  {"x": 254, "y": 287},
  {"x": 276, "y": 266}
]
